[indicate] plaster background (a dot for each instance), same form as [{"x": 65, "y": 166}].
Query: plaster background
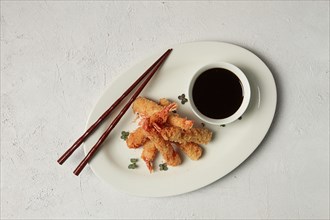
[{"x": 58, "y": 57}]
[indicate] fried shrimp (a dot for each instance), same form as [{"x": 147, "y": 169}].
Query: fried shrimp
[
  {"x": 177, "y": 121},
  {"x": 149, "y": 154},
  {"x": 136, "y": 138},
  {"x": 192, "y": 150},
  {"x": 165, "y": 148},
  {"x": 159, "y": 118},
  {"x": 146, "y": 108},
  {"x": 195, "y": 135},
  {"x": 160, "y": 129},
  {"x": 164, "y": 102}
]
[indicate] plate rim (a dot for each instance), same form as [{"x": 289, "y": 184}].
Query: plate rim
[{"x": 116, "y": 78}]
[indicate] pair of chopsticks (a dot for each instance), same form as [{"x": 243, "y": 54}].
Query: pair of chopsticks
[{"x": 148, "y": 73}]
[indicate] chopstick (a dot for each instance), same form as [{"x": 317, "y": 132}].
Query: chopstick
[
  {"x": 102, "y": 118},
  {"x": 152, "y": 70}
]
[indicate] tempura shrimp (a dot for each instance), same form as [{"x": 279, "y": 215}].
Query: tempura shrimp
[
  {"x": 164, "y": 102},
  {"x": 136, "y": 138},
  {"x": 159, "y": 118},
  {"x": 146, "y": 108},
  {"x": 171, "y": 157},
  {"x": 149, "y": 154},
  {"x": 195, "y": 135},
  {"x": 192, "y": 150}
]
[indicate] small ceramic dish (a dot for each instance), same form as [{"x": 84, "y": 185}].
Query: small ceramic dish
[{"x": 219, "y": 100}]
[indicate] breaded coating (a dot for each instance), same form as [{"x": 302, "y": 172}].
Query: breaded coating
[
  {"x": 136, "y": 138},
  {"x": 177, "y": 121},
  {"x": 192, "y": 150},
  {"x": 164, "y": 102},
  {"x": 195, "y": 135},
  {"x": 149, "y": 154},
  {"x": 171, "y": 157},
  {"x": 146, "y": 108},
  {"x": 160, "y": 128},
  {"x": 160, "y": 118}
]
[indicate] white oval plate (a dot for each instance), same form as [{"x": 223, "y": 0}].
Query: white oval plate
[{"x": 230, "y": 146}]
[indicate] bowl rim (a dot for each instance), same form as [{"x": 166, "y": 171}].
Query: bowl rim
[{"x": 245, "y": 89}]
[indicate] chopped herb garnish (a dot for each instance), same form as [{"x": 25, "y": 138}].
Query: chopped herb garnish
[
  {"x": 134, "y": 160},
  {"x": 203, "y": 124},
  {"x": 132, "y": 166},
  {"x": 174, "y": 111},
  {"x": 183, "y": 98},
  {"x": 223, "y": 125},
  {"x": 124, "y": 135},
  {"x": 163, "y": 167},
  {"x": 133, "y": 163},
  {"x": 240, "y": 118}
]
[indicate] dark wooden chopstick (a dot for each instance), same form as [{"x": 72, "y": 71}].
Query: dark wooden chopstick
[
  {"x": 102, "y": 118},
  {"x": 90, "y": 154}
]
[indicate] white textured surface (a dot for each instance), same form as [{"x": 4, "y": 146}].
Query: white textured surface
[{"x": 58, "y": 57}]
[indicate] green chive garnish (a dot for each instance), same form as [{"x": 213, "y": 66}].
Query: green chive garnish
[
  {"x": 124, "y": 135},
  {"x": 134, "y": 160},
  {"x": 183, "y": 98},
  {"x": 163, "y": 167},
  {"x": 132, "y": 166},
  {"x": 133, "y": 163}
]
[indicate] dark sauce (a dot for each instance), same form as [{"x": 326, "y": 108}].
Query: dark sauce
[{"x": 217, "y": 93}]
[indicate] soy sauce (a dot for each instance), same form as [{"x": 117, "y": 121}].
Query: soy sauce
[{"x": 217, "y": 93}]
